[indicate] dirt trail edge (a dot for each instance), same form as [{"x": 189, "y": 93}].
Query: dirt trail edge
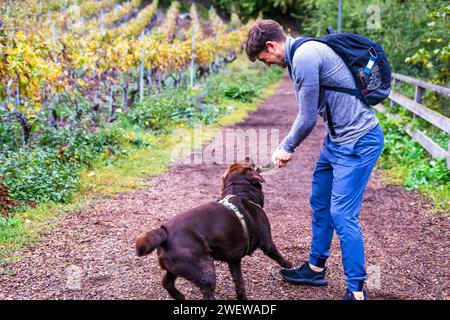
[{"x": 91, "y": 255}]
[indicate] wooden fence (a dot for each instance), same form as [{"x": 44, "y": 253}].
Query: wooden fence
[{"x": 418, "y": 109}]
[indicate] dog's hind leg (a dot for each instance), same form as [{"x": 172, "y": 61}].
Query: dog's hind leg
[
  {"x": 270, "y": 250},
  {"x": 204, "y": 276},
  {"x": 169, "y": 283},
  {"x": 238, "y": 279},
  {"x": 208, "y": 287}
]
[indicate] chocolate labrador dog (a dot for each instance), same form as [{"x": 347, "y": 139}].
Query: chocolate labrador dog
[{"x": 188, "y": 244}]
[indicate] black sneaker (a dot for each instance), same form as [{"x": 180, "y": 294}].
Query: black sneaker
[
  {"x": 350, "y": 296},
  {"x": 304, "y": 275}
]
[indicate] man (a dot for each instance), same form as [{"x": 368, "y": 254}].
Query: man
[{"x": 350, "y": 150}]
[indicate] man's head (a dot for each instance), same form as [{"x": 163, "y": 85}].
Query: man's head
[{"x": 265, "y": 42}]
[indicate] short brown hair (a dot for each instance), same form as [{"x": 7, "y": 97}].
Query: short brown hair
[{"x": 262, "y": 31}]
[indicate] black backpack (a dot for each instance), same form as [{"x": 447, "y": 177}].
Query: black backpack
[{"x": 365, "y": 59}]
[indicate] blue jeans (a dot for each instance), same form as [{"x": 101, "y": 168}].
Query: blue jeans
[{"x": 338, "y": 185}]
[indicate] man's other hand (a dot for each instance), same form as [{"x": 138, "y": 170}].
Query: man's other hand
[{"x": 280, "y": 157}]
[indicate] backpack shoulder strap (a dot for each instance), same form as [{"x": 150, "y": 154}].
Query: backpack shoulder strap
[
  {"x": 353, "y": 92},
  {"x": 294, "y": 47},
  {"x": 297, "y": 43}
]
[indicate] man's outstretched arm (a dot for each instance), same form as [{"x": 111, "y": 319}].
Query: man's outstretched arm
[
  {"x": 306, "y": 68},
  {"x": 308, "y": 99}
]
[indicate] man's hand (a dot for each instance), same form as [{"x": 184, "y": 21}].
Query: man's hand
[{"x": 280, "y": 157}]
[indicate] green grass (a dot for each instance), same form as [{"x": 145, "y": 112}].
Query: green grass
[
  {"x": 404, "y": 162},
  {"x": 129, "y": 170}
]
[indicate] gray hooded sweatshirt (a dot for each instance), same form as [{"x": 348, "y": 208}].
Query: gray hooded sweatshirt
[{"x": 315, "y": 63}]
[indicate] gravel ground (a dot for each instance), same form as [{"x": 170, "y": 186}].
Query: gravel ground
[{"x": 91, "y": 254}]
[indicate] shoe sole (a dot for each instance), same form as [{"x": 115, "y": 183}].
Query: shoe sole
[{"x": 315, "y": 283}]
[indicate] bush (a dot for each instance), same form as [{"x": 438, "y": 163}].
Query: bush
[
  {"x": 159, "y": 112},
  {"x": 234, "y": 85},
  {"x": 419, "y": 171},
  {"x": 10, "y": 132},
  {"x": 48, "y": 170},
  {"x": 37, "y": 174},
  {"x": 83, "y": 146}
]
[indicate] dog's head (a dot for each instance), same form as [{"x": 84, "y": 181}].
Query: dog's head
[{"x": 242, "y": 176}]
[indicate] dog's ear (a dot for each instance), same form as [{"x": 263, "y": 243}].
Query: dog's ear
[
  {"x": 223, "y": 178},
  {"x": 253, "y": 175},
  {"x": 230, "y": 168},
  {"x": 249, "y": 162}
]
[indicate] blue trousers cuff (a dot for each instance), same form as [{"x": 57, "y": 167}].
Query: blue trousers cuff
[
  {"x": 355, "y": 285},
  {"x": 318, "y": 262}
]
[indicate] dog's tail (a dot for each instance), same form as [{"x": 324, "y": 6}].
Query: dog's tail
[{"x": 149, "y": 241}]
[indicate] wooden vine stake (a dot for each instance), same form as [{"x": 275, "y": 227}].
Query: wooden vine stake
[
  {"x": 192, "y": 65},
  {"x": 141, "y": 70}
]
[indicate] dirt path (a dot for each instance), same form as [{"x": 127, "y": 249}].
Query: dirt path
[{"x": 407, "y": 244}]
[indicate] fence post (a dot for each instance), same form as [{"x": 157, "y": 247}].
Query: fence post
[
  {"x": 397, "y": 86},
  {"x": 102, "y": 27},
  {"x": 50, "y": 113},
  {"x": 111, "y": 93},
  {"x": 18, "y": 96},
  {"x": 8, "y": 93},
  {"x": 418, "y": 96},
  {"x": 149, "y": 79},
  {"x": 112, "y": 107},
  {"x": 54, "y": 34},
  {"x": 124, "y": 97},
  {"x": 192, "y": 65},
  {"x": 448, "y": 156},
  {"x": 54, "y": 41},
  {"x": 141, "y": 70}
]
